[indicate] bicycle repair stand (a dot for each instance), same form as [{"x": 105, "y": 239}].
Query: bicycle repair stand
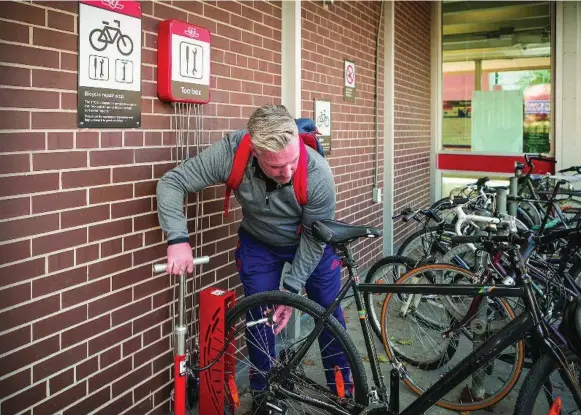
[{"x": 214, "y": 304}]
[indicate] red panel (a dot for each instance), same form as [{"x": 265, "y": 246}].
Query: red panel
[
  {"x": 128, "y": 7},
  {"x": 488, "y": 164},
  {"x": 214, "y": 304}
]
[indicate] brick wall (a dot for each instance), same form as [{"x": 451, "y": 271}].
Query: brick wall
[
  {"x": 347, "y": 30},
  {"x": 412, "y": 109},
  {"x": 84, "y": 324}
]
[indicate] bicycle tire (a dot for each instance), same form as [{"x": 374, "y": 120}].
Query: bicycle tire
[
  {"x": 423, "y": 232},
  {"x": 491, "y": 400},
  {"x": 370, "y": 279},
  {"x": 531, "y": 386},
  {"x": 359, "y": 377},
  {"x": 91, "y": 40}
]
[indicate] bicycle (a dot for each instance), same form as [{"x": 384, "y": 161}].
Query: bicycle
[
  {"x": 347, "y": 390},
  {"x": 101, "y": 38}
]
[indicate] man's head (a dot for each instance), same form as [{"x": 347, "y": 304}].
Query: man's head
[{"x": 275, "y": 144}]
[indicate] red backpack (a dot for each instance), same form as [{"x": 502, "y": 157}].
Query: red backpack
[{"x": 307, "y": 136}]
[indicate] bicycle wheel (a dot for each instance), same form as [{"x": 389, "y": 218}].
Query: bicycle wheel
[
  {"x": 545, "y": 377},
  {"x": 385, "y": 271},
  {"x": 432, "y": 241},
  {"x": 97, "y": 41},
  {"x": 125, "y": 45},
  {"x": 317, "y": 378},
  {"x": 417, "y": 337}
]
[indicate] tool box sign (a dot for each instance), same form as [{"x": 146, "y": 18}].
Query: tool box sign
[
  {"x": 183, "y": 61},
  {"x": 109, "y": 93}
]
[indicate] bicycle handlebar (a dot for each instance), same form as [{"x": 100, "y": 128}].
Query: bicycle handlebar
[
  {"x": 576, "y": 169},
  {"x": 539, "y": 157},
  {"x": 470, "y": 239},
  {"x": 157, "y": 268}
]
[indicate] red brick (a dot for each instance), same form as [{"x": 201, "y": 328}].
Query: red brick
[
  {"x": 14, "y": 383},
  {"x": 145, "y": 406},
  {"x": 110, "y": 193},
  {"x": 28, "y": 99},
  {"x": 146, "y": 222},
  {"x": 152, "y": 319},
  {"x": 61, "y": 21},
  {"x": 84, "y": 178},
  {"x": 110, "y": 374},
  {"x": 14, "y": 163},
  {"x": 87, "y": 253},
  {"x": 152, "y": 253},
  {"x": 31, "y": 183},
  {"x": 87, "y": 139},
  {"x": 24, "y": 399},
  {"x": 66, "y": 6},
  {"x": 12, "y": 340},
  {"x": 150, "y": 287},
  {"x": 54, "y": 404},
  {"x": 109, "y": 302},
  {"x": 109, "y": 230},
  {"x": 89, "y": 404},
  {"x": 133, "y": 139},
  {"x": 112, "y": 247},
  {"x": 131, "y": 277},
  {"x": 117, "y": 406},
  {"x": 11, "y": 208},
  {"x": 61, "y": 260},
  {"x": 111, "y": 139},
  {"x": 59, "y": 201},
  {"x": 127, "y": 382},
  {"x": 130, "y": 208},
  {"x": 109, "y": 266},
  {"x": 14, "y": 76},
  {"x": 131, "y": 311},
  {"x": 132, "y": 242},
  {"x": 84, "y": 216},
  {"x": 62, "y": 380},
  {"x": 87, "y": 368},
  {"x": 56, "y": 282},
  {"x": 62, "y": 240},
  {"x": 28, "y": 355},
  {"x": 22, "y": 271},
  {"x": 109, "y": 357},
  {"x": 59, "y": 160},
  {"x": 151, "y": 351},
  {"x": 60, "y": 141},
  {"x": 54, "y": 120},
  {"x": 84, "y": 331},
  {"x": 15, "y": 295},
  {"x": 151, "y": 385},
  {"x": 14, "y": 120},
  {"x": 21, "y": 141},
  {"x": 110, "y": 338},
  {"x": 145, "y": 188},
  {"x": 19, "y": 228},
  {"x": 59, "y": 322},
  {"x": 50, "y": 38},
  {"x": 110, "y": 157},
  {"x": 131, "y": 174},
  {"x": 14, "y": 32},
  {"x": 69, "y": 61},
  {"x": 23, "y": 13},
  {"x": 85, "y": 292},
  {"x": 147, "y": 155}
]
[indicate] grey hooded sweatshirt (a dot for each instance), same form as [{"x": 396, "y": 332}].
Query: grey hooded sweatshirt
[{"x": 271, "y": 215}]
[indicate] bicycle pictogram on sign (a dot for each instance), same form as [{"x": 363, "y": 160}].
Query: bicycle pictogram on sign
[
  {"x": 108, "y": 35},
  {"x": 350, "y": 75}
]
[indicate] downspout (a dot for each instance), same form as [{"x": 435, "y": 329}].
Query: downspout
[{"x": 376, "y": 191}]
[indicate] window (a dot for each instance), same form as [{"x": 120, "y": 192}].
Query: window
[{"x": 497, "y": 76}]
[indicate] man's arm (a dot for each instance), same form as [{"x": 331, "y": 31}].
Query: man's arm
[
  {"x": 211, "y": 166},
  {"x": 320, "y": 206}
]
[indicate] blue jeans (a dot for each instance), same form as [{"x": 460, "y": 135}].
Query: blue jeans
[{"x": 260, "y": 267}]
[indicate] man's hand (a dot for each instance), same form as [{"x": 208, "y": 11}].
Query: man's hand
[
  {"x": 282, "y": 315},
  {"x": 180, "y": 259}
]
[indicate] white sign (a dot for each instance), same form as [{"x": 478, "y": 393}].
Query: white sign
[
  {"x": 350, "y": 74},
  {"x": 109, "y": 49},
  {"x": 323, "y": 123},
  {"x": 191, "y": 60}
]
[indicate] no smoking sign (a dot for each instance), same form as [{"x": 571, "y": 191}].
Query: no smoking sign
[{"x": 349, "y": 84}]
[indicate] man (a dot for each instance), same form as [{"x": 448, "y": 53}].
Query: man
[{"x": 275, "y": 228}]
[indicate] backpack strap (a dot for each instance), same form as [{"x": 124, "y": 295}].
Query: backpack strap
[
  {"x": 239, "y": 164},
  {"x": 300, "y": 176}
]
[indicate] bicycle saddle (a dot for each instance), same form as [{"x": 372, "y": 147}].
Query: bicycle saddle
[{"x": 336, "y": 233}]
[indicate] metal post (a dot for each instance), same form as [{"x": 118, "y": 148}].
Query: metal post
[
  {"x": 501, "y": 194},
  {"x": 512, "y": 205}
]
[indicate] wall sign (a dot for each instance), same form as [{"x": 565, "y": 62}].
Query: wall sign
[
  {"x": 183, "y": 62},
  {"x": 323, "y": 123},
  {"x": 109, "y": 90},
  {"x": 349, "y": 83}
]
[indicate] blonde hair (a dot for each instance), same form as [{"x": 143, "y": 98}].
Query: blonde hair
[{"x": 271, "y": 128}]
